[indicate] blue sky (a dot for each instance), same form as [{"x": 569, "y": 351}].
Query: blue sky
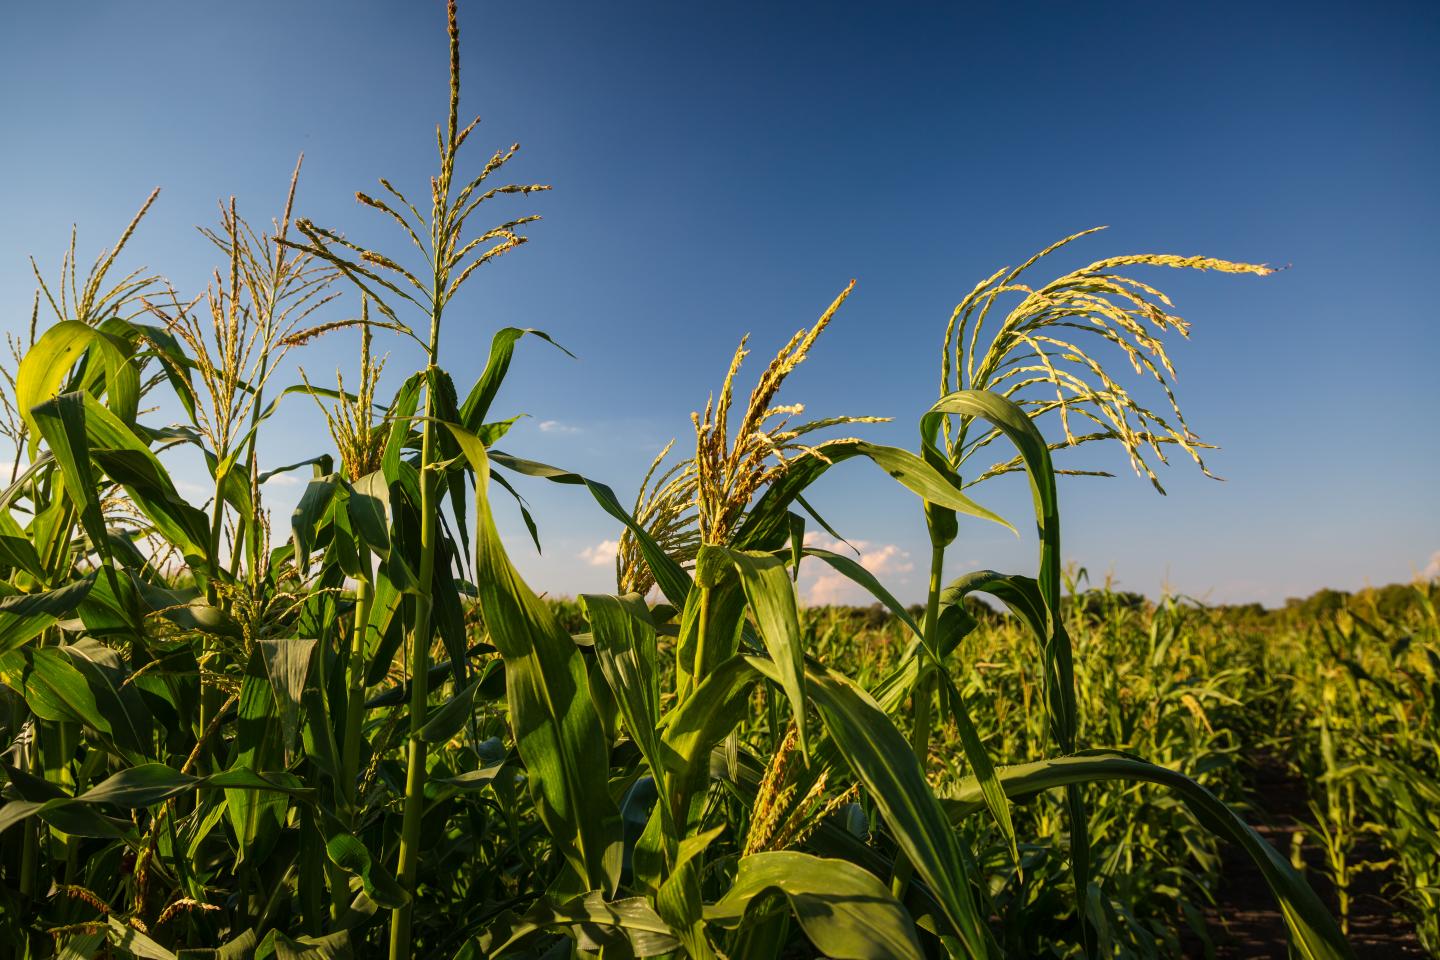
[{"x": 723, "y": 169}]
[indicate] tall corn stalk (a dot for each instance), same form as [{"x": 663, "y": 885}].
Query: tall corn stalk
[{"x": 450, "y": 259}]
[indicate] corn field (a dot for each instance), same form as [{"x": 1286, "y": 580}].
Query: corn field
[{"x": 356, "y": 731}]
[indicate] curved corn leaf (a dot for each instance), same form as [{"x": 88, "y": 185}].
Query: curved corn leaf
[
  {"x": 768, "y": 523},
  {"x": 350, "y": 855},
  {"x": 287, "y": 663},
  {"x": 845, "y": 910},
  {"x": 1313, "y": 931},
  {"x": 880, "y": 757},
  {"x": 49, "y": 361},
  {"x": 60, "y": 421},
  {"x": 448, "y": 719},
  {"x": 556, "y": 727},
  {"x": 630, "y": 927},
  {"x": 127, "y": 460},
  {"x": 717, "y": 704},
  {"x": 975, "y": 752},
  {"x": 771, "y": 595},
  {"x": 674, "y": 582},
  {"x": 140, "y": 786},
  {"x": 24, "y": 616},
  {"x": 502, "y": 347},
  {"x": 625, "y": 647}
]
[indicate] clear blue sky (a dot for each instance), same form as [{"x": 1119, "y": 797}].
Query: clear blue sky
[{"x": 720, "y": 169}]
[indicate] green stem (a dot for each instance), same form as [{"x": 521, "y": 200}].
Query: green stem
[
  {"x": 209, "y": 696},
  {"x": 922, "y": 697},
  {"x": 355, "y": 698},
  {"x": 419, "y": 683},
  {"x": 924, "y": 693}
]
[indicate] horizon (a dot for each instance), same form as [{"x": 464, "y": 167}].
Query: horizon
[{"x": 712, "y": 179}]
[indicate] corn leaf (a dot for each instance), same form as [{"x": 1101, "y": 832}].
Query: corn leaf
[{"x": 845, "y": 910}]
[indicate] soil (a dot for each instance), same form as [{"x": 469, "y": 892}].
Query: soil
[{"x": 1244, "y": 921}]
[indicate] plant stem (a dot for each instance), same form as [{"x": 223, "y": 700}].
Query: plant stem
[
  {"x": 924, "y": 692},
  {"x": 355, "y": 699},
  {"x": 419, "y": 674},
  {"x": 922, "y": 697},
  {"x": 209, "y": 696}
]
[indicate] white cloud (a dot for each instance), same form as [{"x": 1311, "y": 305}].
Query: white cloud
[
  {"x": 283, "y": 480},
  {"x": 822, "y": 585},
  {"x": 1432, "y": 569},
  {"x": 555, "y": 426},
  {"x": 601, "y": 554}
]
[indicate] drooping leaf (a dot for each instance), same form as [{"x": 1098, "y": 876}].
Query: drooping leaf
[
  {"x": 881, "y": 758},
  {"x": 1314, "y": 933},
  {"x": 557, "y": 730},
  {"x": 845, "y": 911},
  {"x": 767, "y": 524},
  {"x": 24, "y": 616},
  {"x": 352, "y": 856},
  {"x": 674, "y": 582},
  {"x": 772, "y": 599},
  {"x": 447, "y": 720},
  {"x": 287, "y": 663}
]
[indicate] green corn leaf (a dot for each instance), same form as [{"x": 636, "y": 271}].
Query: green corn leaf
[
  {"x": 79, "y": 820},
  {"x": 845, "y": 911},
  {"x": 140, "y": 786},
  {"x": 1022, "y": 432},
  {"x": 880, "y": 757},
  {"x": 120, "y": 709},
  {"x": 350, "y": 855},
  {"x": 16, "y": 550},
  {"x": 256, "y": 815},
  {"x": 24, "y": 616},
  {"x": 556, "y": 727},
  {"x": 854, "y": 571},
  {"x": 334, "y": 946},
  {"x": 502, "y": 348},
  {"x": 287, "y": 663},
  {"x": 131, "y": 941},
  {"x": 447, "y": 720},
  {"x": 82, "y": 820},
  {"x": 61, "y": 422},
  {"x": 625, "y": 646},
  {"x": 767, "y": 524},
  {"x": 48, "y": 363},
  {"x": 402, "y": 410},
  {"x": 771, "y": 595},
  {"x": 83, "y": 683},
  {"x": 1313, "y": 931},
  {"x": 674, "y": 582},
  {"x": 711, "y": 711},
  {"x": 307, "y": 517},
  {"x": 629, "y": 926},
  {"x": 678, "y": 899},
  {"x": 493, "y": 758},
  {"x": 368, "y": 507},
  {"x": 128, "y": 460}
]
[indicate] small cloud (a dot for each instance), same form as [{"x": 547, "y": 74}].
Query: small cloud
[
  {"x": 1432, "y": 569},
  {"x": 829, "y": 587},
  {"x": 282, "y": 480},
  {"x": 555, "y": 426},
  {"x": 602, "y": 554}
]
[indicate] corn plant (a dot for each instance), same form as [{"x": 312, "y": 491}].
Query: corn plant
[{"x": 369, "y": 733}]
